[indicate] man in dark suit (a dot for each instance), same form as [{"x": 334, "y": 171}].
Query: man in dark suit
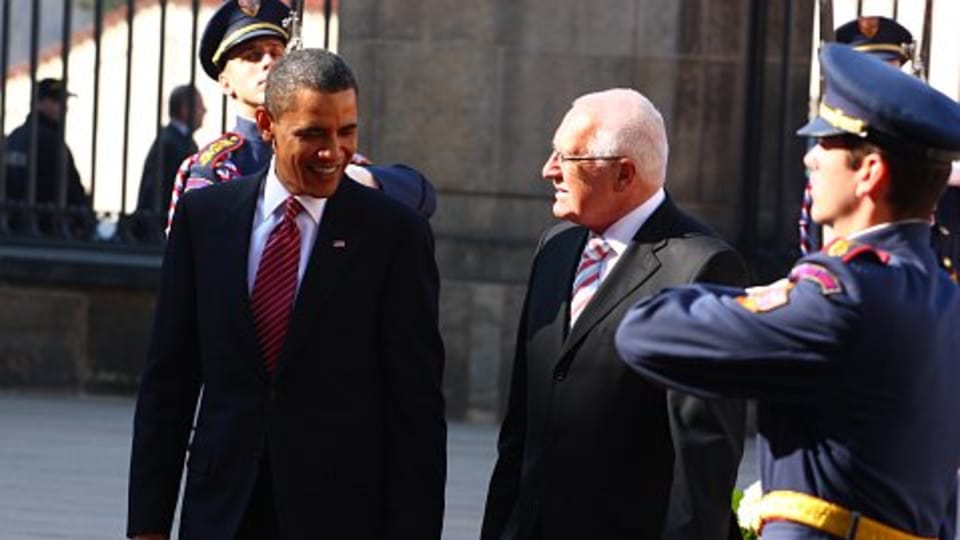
[
  {"x": 306, "y": 307},
  {"x": 588, "y": 449},
  {"x": 173, "y": 144}
]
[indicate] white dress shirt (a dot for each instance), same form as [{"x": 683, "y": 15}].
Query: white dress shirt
[
  {"x": 621, "y": 233},
  {"x": 268, "y": 214}
]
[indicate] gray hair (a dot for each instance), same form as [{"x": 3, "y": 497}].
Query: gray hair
[
  {"x": 628, "y": 124},
  {"x": 312, "y": 69}
]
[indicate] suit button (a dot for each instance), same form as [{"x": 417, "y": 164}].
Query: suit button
[{"x": 559, "y": 375}]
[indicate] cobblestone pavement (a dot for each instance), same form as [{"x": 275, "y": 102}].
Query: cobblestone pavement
[{"x": 63, "y": 466}]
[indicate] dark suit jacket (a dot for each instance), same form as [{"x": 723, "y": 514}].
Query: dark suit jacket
[
  {"x": 352, "y": 420},
  {"x": 588, "y": 449},
  {"x": 160, "y": 168}
]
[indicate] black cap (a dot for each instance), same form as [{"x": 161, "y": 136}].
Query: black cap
[
  {"x": 236, "y": 22},
  {"x": 52, "y": 89},
  {"x": 879, "y": 36},
  {"x": 865, "y": 97}
]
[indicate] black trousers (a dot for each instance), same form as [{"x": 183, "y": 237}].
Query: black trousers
[{"x": 260, "y": 520}]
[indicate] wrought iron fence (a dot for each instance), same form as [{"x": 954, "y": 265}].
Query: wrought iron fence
[{"x": 71, "y": 176}]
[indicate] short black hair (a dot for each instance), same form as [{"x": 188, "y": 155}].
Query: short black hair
[
  {"x": 313, "y": 69},
  {"x": 181, "y": 101},
  {"x": 915, "y": 183}
]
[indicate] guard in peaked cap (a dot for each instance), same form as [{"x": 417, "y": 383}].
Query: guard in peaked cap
[
  {"x": 236, "y": 22},
  {"x": 897, "y": 112},
  {"x": 879, "y": 36}
]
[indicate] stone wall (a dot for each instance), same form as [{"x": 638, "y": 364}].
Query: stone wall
[{"x": 471, "y": 92}]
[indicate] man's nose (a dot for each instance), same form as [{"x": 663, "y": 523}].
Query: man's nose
[
  {"x": 551, "y": 169},
  {"x": 809, "y": 158}
]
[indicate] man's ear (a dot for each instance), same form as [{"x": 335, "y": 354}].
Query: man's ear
[
  {"x": 225, "y": 86},
  {"x": 264, "y": 124},
  {"x": 626, "y": 175},
  {"x": 873, "y": 176}
]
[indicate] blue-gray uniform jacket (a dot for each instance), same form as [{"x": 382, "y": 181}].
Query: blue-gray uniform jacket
[
  {"x": 242, "y": 152},
  {"x": 855, "y": 362}
]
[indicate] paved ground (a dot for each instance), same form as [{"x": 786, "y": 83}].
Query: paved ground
[{"x": 63, "y": 465}]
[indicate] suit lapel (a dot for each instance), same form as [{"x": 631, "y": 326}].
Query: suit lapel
[
  {"x": 339, "y": 241},
  {"x": 235, "y": 233},
  {"x": 637, "y": 264}
]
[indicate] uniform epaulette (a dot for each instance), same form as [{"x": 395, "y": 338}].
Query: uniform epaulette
[
  {"x": 848, "y": 250},
  {"x": 217, "y": 150}
]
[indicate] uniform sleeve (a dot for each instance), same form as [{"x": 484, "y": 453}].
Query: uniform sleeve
[
  {"x": 771, "y": 342},
  {"x": 191, "y": 175},
  {"x": 408, "y": 186}
]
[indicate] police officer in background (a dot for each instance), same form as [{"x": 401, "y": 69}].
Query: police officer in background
[
  {"x": 853, "y": 356},
  {"x": 239, "y": 46},
  {"x": 51, "y": 152}
]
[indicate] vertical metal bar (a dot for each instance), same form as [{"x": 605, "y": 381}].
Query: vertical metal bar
[
  {"x": 327, "y": 14},
  {"x": 31, "y": 187},
  {"x": 156, "y": 196},
  {"x": 896, "y": 9},
  {"x": 195, "y": 6},
  {"x": 753, "y": 128},
  {"x": 782, "y": 167},
  {"x": 924, "y": 70},
  {"x": 95, "y": 121},
  {"x": 4, "y": 55},
  {"x": 61, "y": 190},
  {"x": 859, "y": 8},
  {"x": 126, "y": 110},
  {"x": 223, "y": 114}
]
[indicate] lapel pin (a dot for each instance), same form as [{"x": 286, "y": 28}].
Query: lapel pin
[{"x": 339, "y": 243}]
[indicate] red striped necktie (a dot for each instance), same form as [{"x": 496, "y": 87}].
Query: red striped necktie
[
  {"x": 276, "y": 283},
  {"x": 588, "y": 275}
]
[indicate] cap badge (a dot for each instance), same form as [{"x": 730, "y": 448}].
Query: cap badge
[
  {"x": 868, "y": 26},
  {"x": 249, "y": 7}
]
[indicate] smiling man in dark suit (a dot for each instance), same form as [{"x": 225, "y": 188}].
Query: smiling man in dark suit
[
  {"x": 306, "y": 307},
  {"x": 588, "y": 449}
]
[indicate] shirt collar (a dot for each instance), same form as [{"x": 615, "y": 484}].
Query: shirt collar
[
  {"x": 274, "y": 194},
  {"x": 621, "y": 233},
  {"x": 181, "y": 127},
  {"x": 882, "y": 226}
]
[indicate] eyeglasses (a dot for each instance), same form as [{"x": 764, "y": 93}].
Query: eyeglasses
[{"x": 562, "y": 158}]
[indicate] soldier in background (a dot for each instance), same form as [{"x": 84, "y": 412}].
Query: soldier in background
[
  {"x": 238, "y": 48},
  {"x": 852, "y": 358},
  {"x": 889, "y": 41}
]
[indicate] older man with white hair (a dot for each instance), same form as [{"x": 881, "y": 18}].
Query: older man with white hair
[{"x": 588, "y": 449}]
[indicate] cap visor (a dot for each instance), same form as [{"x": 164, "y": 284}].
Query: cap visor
[{"x": 818, "y": 127}]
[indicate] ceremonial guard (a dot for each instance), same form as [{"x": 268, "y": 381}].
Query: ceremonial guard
[
  {"x": 853, "y": 357},
  {"x": 239, "y": 46},
  {"x": 889, "y": 41}
]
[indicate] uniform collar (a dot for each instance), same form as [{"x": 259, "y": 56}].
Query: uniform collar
[{"x": 248, "y": 128}]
